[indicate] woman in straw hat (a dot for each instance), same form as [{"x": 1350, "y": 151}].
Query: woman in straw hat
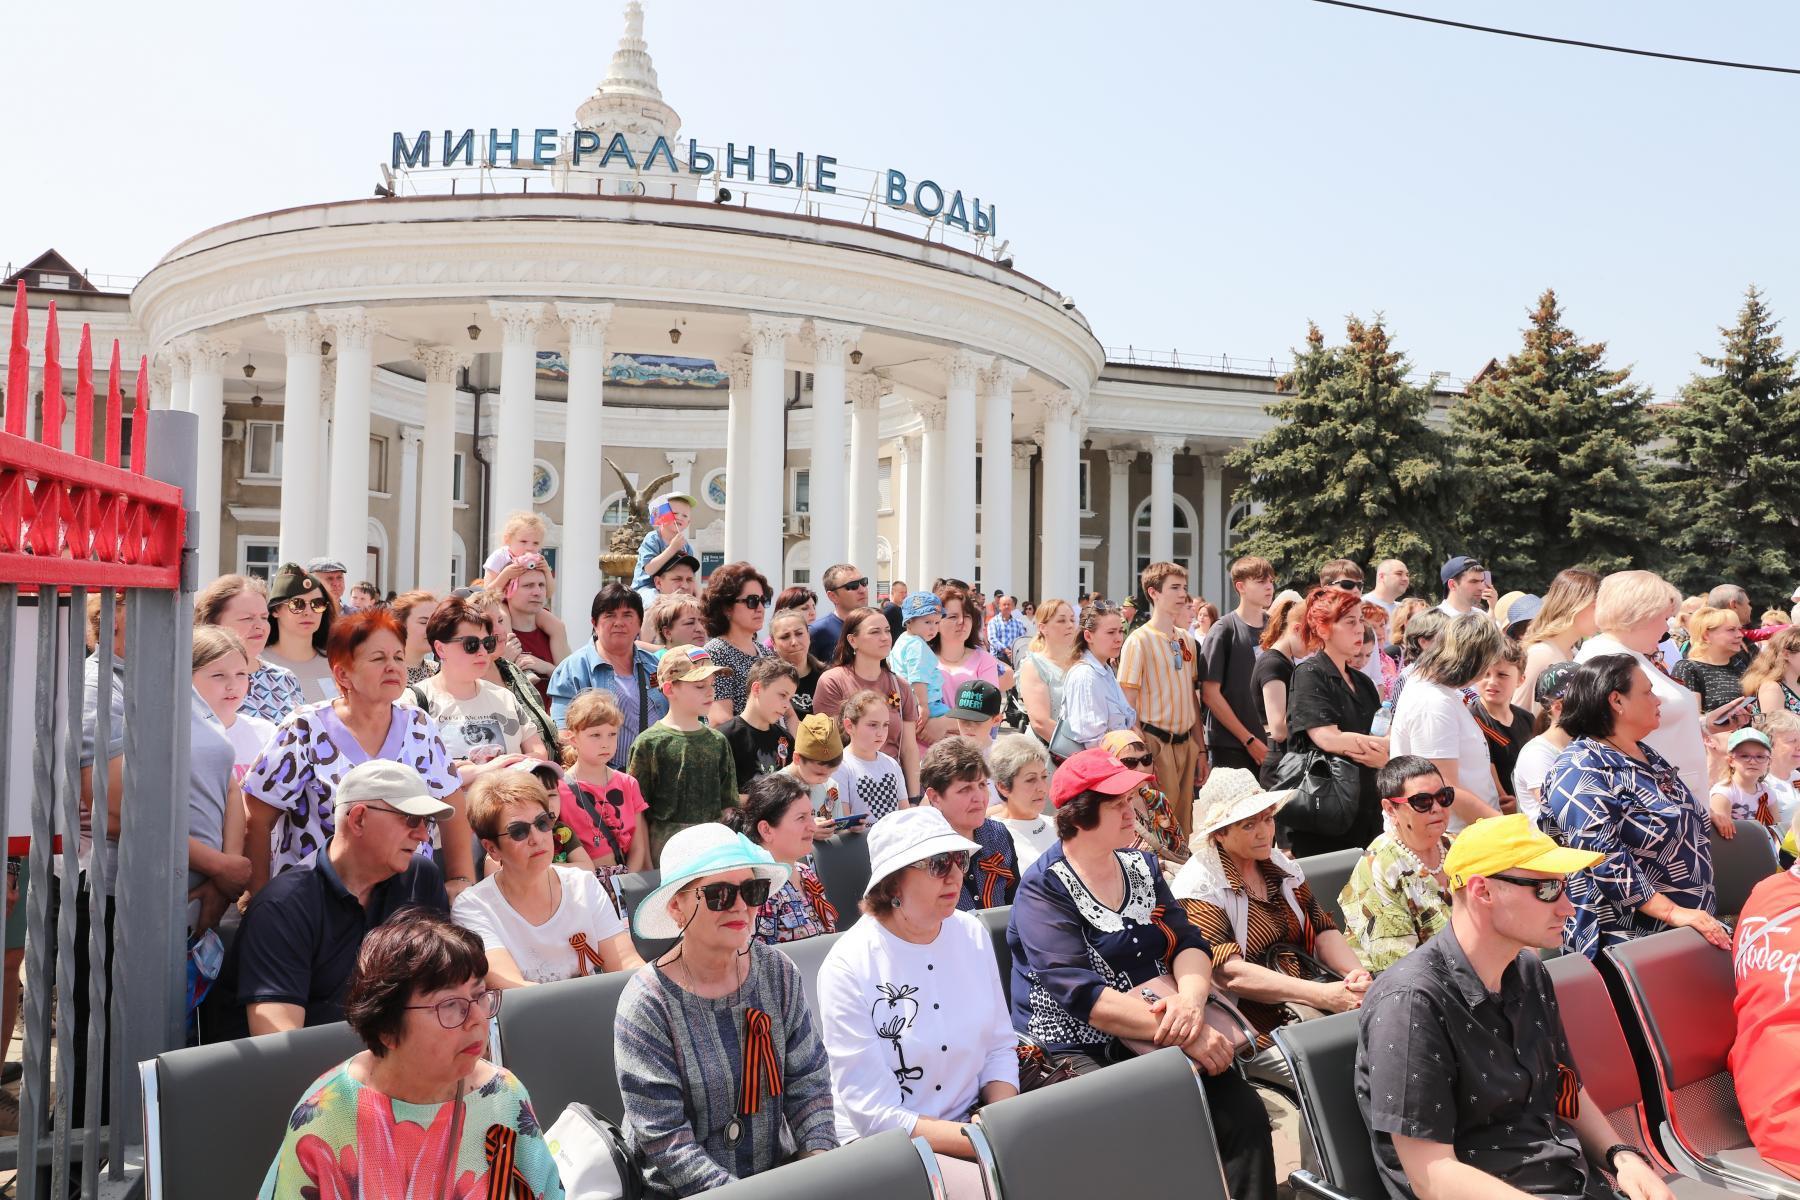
[
  {"x": 721, "y": 1070},
  {"x": 1246, "y": 897},
  {"x": 910, "y": 1006}
]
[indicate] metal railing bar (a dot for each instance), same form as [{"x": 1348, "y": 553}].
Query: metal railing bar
[
  {"x": 124, "y": 1094},
  {"x": 34, "y": 1087},
  {"x": 68, "y": 926},
  {"x": 98, "y": 949}
]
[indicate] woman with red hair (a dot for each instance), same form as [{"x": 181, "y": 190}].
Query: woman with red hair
[{"x": 1331, "y": 706}]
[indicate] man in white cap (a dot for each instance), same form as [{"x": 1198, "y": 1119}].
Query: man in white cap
[{"x": 302, "y": 932}]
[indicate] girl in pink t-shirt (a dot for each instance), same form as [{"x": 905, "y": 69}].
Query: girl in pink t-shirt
[{"x": 609, "y": 803}]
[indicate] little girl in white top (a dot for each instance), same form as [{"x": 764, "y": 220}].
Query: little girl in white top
[
  {"x": 1743, "y": 795},
  {"x": 868, "y": 781}
]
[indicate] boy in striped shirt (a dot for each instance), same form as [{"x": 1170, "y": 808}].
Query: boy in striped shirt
[{"x": 1157, "y": 671}]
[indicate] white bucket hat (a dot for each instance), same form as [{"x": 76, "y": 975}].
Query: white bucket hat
[
  {"x": 693, "y": 854},
  {"x": 1232, "y": 794},
  {"x": 911, "y": 835}
]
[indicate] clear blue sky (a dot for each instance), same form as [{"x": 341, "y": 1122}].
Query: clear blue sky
[{"x": 1204, "y": 175}]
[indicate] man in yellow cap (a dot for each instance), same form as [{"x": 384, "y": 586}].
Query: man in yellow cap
[{"x": 1463, "y": 1070}]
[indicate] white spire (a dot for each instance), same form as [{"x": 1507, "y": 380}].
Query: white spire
[{"x": 628, "y": 99}]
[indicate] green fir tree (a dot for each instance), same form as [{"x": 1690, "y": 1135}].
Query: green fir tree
[
  {"x": 1351, "y": 468},
  {"x": 1731, "y": 465},
  {"x": 1550, "y": 441}
]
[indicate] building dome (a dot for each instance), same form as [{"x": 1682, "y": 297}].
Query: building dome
[{"x": 628, "y": 100}]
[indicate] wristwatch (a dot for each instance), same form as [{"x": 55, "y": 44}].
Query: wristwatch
[{"x": 1611, "y": 1157}]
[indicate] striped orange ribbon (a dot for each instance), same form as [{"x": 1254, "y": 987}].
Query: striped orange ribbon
[
  {"x": 1764, "y": 813},
  {"x": 815, "y": 895},
  {"x": 995, "y": 869},
  {"x": 1157, "y": 916},
  {"x": 505, "y": 1180},
  {"x": 762, "y": 1073},
  {"x": 1568, "y": 1093},
  {"x": 586, "y": 957}
]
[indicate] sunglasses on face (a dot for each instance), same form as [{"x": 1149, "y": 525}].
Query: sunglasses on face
[
  {"x": 719, "y": 897},
  {"x": 518, "y": 831},
  {"x": 412, "y": 822},
  {"x": 852, "y": 584},
  {"x": 471, "y": 644},
  {"x": 942, "y": 866},
  {"x": 300, "y": 604},
  {"x": 453, "y": 1013},
  {"x": 1422, "y": 801},
  {"x": 1137, "y": 762},
  {"x": 753, "y": 601},
  {"x": 1349, "y": 585},
  {"x": 1547, "y": 890}
]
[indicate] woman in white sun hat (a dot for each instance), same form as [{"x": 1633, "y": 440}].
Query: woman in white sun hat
[
  {"x": 910, "y": 1005},
  {"x": 722, "y": 1073},
  {"x": 1248, "y": 898}
]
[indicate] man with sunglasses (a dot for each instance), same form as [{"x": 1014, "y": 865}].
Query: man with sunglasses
[
  {"x": 293, "y": 956},
  {"x": 1463, "y": 1069},
  {"x": 848, "y": 590}
]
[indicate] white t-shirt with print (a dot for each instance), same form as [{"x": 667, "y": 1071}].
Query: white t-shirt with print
[
  {"x": 1030, "y": 838},
  {"x": 547, "y": 952},
  {"x": 489, "y": 723},
  {"x": 876, "y": 787},
  {"x": 1432, "y": 721}
]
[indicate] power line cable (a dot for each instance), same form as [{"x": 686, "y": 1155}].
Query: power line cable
[{"x": 1561, "y": 41}]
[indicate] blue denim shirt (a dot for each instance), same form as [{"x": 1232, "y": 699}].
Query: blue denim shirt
[
  {"x": 587, "y": 669},
  {"x": 652, "y": 545}
]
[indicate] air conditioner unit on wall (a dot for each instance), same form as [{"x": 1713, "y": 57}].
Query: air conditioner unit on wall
[
  {"x": 797, "y": 525},
  {"x": 233, "y": 431}
]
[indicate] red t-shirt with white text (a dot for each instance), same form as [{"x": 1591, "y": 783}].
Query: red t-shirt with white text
[{"x": 1766, "y": 958}]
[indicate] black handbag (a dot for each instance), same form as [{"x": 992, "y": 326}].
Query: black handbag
[{"x": 1328, "y": 792}]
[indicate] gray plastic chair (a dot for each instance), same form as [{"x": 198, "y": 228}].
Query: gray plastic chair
[
  {"x": 558, "y": 1039},
  {"x": 1322, "y": 1055},
  {"x": 1071, "y": 1139},
  {"x": 842, "y": 862},
  {"x": 214, "y": 1116},
  {"x": 1739, "y": 864},
  {"x": 1327, "y": 874},
  {"x": 808, "y": 955},
  {"x": 1682, "y": 991},
  {"x": 886, "y": 1166},
  {"x": 996, "y": 920},
  {"x": 632, "y": 889}
]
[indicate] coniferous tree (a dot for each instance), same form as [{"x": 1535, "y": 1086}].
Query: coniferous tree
[
  {"x": 1550, "y": 441},
  {"x": 1351, "y": 468},
  {"x": 1731, "y": 465}
]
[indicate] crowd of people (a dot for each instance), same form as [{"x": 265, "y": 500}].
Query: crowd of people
[{"x": 402, "y": 809}]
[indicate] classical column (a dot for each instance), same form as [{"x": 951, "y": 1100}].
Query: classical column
[
  {"x": 962, "y": 370},
  {"x": 515, "y": 427},
  {"x": 1162, "y": 496},
  {"x": 1018, "y": 579},
  {"x": 159, "y": 381},
  {"x": 178, "y": 376},
  {"x": 302, "y": 446},
  {"x": 1119, "y": 536},
  {"x": 830, "y": 525},
  {"x": 682, "y": 463},
  {"x": 403, "y": 575},
  {"x": 328, "y": 373},
  {"x": 865, "y": 479},
  {"x": 437, "y": 467},
  {"x": 1212, "y": 528},
  {"x": 932, "y": 562},
  {"x": 768, "y": 494},
  {"x": 904, "y": 492},
  {"x": 1061, "y": 504},
  {"x": 996, "y": 475},
  {"x": 584, "y": 482},
  {"x": 206, "y": 399},
  {"x": 347, "y": 523},
  {"x": 739, "y": 472}
]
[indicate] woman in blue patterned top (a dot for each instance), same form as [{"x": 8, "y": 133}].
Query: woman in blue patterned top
[
  {"x": 1609, "y": 792},
  {"x": 1096, "y": 939}
]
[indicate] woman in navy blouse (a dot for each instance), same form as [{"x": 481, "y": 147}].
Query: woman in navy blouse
[{"x": 1092, "y": 924}]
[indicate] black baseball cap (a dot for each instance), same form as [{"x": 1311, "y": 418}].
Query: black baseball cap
[{"x": 976, "y": 700}]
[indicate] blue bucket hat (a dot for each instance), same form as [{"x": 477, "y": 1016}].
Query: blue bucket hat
[{"x": 919, "y": 604}]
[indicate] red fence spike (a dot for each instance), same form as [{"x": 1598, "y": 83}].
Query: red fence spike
[
  {"x": 51, "y": 432},
  {"x": 18, "y": 367},
  {"x": 84, "y": 395},
  {"x": 140, "y": 415},
  {"x": 114, "y": 399}
]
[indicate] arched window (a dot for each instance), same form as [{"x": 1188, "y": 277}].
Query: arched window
[
  {"x": 1186, "y": 542},
  {"x": 799, "y": 566},
  {"x": 1236, "y": 517},
  {"x": 616, "y": 512}
]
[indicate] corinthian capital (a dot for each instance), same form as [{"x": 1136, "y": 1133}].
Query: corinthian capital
[
  {"x": 769, "y": 334},
  {"x": 866, "y": 391},
  {"x": 441, "y": 363},
  {"x": 738, "y": 367},
  {"x": 351, "y": 328},
  {"x": 1000, "y": 377},
  {"x": 931, "y": 412},
  {"x": 300, "y": 332},
  {"x": 963, "y": 367},
  {"x": 206, "y": 355},
  {"x": 586, "y": 323},
  {"x": 519, "y": 323},
  {"x": 1061, "y": 405},
  {"x": 831, "y": 340},
  {"x": 1166, "y": 445}
]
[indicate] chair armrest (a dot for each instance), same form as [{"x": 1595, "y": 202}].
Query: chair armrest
[{"x": 1306, "y": 1183}]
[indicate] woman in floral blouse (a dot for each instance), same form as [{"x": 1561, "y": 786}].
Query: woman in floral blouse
[
  {"x": 777, "y": 815},
  {"x": 1398, "y": 897}
]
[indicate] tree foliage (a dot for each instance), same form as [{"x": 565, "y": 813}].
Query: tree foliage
[{"x": 1352, "y": 468}]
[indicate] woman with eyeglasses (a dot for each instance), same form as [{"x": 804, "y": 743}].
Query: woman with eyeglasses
[
  {"x": 1103, "y": 955},
  {"x": 240, "y": 605},
  {"x": 735, "y": 597},
  {"x": 778, "y": 816},
  {"x": 720, "y": 1064},
  {"x": 481, "y": 723},
  {"x": 419, "y": 1112},
  {"x": 1611, "y": 792},
  {"x": 1398, "y": 895},
  {"x": 537, "y": 921},
  {"x": 302, "y": 612},
  {"x": 910, "y": 1005},
  {"x": 960, "y": 643}
]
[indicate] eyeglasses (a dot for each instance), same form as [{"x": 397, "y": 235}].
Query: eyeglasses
[
  {"x": 851, "y": 585},
  {"x": 1136, "y": 762},
  {"x": 1422, "y": 801},
  {"x": 471, "y": 644},
  {"x": 1349, "y": 585},
  {"x": 413, "y": 821},
  {"x": 453, "y": 1013},
  {"x": 518, "y": 831},
  {"x": 719, "y": 897},
  {"x": 1547, "y": 890},
  {"x": 299, "y": 604},
  {"x": 942, "y": 866},
  {"x": 756, "y": 601}
]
